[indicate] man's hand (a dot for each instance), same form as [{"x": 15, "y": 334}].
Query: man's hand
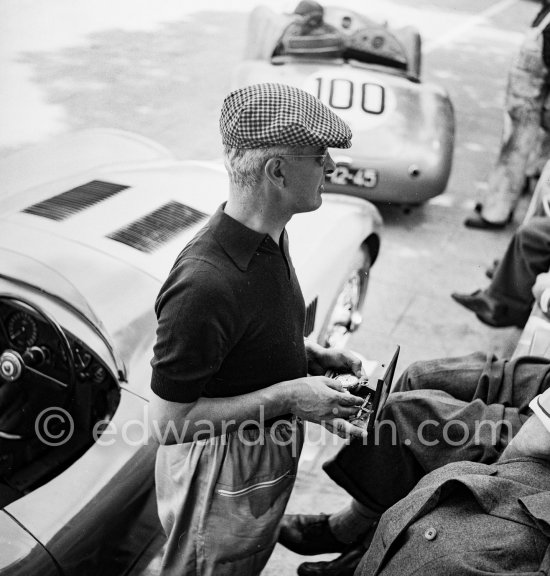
[
  {"x": 325, "y": 401},
  {"x": 320, "y": 359},
  {"x": 345, "y": 429}
]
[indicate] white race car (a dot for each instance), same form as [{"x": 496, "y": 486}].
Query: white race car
[{"x": 369, "y": 74}]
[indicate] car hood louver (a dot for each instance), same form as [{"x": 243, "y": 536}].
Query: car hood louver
[
  {"x": 311, "y": 312},
  {"x": 150, "y": 232},
  {"x": 72, "y": 201}
]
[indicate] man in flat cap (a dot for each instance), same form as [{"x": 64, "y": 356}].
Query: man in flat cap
[{"x": 230, "y": 366}]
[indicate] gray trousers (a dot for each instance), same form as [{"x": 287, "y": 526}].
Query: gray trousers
[
  {"x": 527, "y": 255},
  {"x": 442, "y": 411},
  {"x": 220, "y": 500}
]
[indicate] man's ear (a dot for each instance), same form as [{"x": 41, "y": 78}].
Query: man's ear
[{"x": 275, "y": 172}]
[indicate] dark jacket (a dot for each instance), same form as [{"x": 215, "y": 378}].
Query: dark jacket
[{"x": 467, "y": 518}]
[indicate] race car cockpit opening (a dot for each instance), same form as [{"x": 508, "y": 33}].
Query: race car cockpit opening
[
  {"x": 54, "y": 394},
  {"x": 331, "y": 32}
]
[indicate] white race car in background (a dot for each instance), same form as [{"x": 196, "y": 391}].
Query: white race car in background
[
  {"x": 403, "y": 128},
  {"x": 90, "y": 225}
]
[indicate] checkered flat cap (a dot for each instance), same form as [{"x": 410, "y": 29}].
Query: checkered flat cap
[{"x": 265, "y": 115}]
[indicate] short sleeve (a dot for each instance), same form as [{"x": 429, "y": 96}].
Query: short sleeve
[{"x": 196, "y": 327}]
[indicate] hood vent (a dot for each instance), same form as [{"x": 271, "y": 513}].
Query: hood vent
[
  {"x": 75, "y": 200},
  {"x": 152, "y": 231},
  {"x": 311, "y": 312}
]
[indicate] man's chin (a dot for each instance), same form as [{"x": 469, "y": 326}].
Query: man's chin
[
  {"x": 319, "y": 198},
  {"x": 311, "y": 207}
]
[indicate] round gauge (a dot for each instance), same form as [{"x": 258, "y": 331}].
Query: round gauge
[
  {"x": 22, "y": 330},
  {"x": 98, "y": 374}
]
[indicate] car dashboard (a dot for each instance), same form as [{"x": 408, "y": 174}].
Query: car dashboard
[
  {"x": 31, "y": 336},
  {"x": 55, "y": 395}
]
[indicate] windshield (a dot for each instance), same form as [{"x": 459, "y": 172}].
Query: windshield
[{"x": 27, "y": 271}]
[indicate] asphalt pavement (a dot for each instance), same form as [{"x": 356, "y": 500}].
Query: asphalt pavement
[{"x": 162, "y": 69}]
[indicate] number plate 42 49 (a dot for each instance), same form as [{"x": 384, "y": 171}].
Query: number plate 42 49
[{"x": 343, "y": 175}]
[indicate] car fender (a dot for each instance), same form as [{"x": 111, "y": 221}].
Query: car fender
[
  {"x": 354, "y": 221},
  {"x": 20, "y": 553}
]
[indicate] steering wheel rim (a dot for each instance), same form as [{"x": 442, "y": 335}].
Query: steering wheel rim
[{"x": 17, "y": 358}]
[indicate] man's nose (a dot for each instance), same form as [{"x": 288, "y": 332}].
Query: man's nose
[{"x": 330, "y": 166}]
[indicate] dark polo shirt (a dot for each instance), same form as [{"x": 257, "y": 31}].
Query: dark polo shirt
[{"x": 230, "y": 316}]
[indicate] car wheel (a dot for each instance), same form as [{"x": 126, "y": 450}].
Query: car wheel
[{"x": 345, "y": 315}]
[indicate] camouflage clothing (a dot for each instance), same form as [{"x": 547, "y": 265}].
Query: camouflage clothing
[{"x": 526, "y": 140}]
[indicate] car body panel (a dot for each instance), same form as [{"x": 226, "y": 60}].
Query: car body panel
[
  {"x": 20, "y": 553},
  {"x": 93, "y": 499},
  {"x": 106, "y": 288}
]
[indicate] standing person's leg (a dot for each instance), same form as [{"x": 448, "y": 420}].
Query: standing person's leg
[
  {"x": 525, "y": 94},
  {"x": 508, "y": 177}
]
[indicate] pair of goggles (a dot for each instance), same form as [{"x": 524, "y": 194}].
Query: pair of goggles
[{"x": 540, "y": 405}]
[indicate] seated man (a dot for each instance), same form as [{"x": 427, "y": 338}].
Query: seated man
[
  {"x": 309, "y": 34},
  {"x": 468, "y": 518},
  {"x": 508, "y": 299},
  {"x": 441, "y": 411}
]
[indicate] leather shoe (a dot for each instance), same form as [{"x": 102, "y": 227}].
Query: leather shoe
[
  {"x": 308, "y": 534},
  {"x": 344, "y": 565},
  {"x": 477, "y": 221},
  {"x": 487, "y": 310}
]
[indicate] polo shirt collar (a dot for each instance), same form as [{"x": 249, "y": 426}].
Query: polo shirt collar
[{"x": 239, "y": 242}]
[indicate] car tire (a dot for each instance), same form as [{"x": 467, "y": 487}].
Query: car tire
[{"x": 345, "y": 316}]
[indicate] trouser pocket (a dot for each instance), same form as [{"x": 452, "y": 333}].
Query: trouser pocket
[{"x": 249, "y": 498}]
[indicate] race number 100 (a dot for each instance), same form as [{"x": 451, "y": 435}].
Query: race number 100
[{"x": 343, "y": 94}]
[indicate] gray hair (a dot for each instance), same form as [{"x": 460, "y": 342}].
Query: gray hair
[{"x": 245, "y": 165}]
